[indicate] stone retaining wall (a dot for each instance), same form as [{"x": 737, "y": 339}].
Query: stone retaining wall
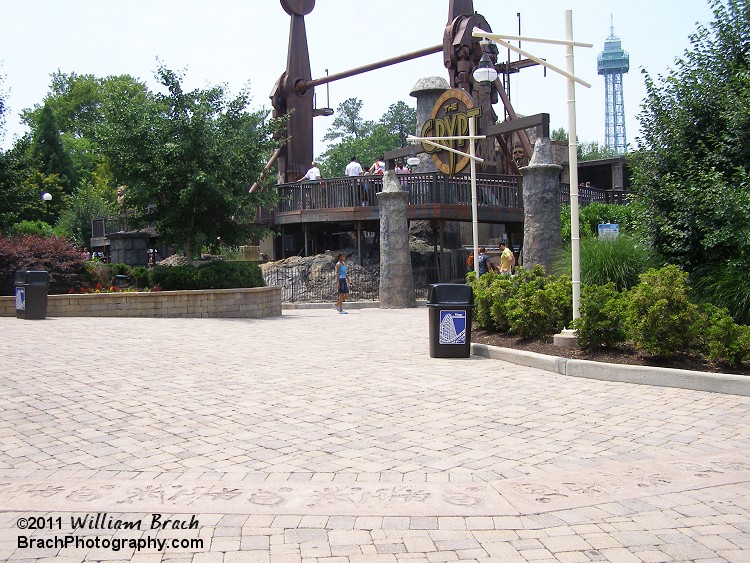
[{"x": 252, "y": 303}]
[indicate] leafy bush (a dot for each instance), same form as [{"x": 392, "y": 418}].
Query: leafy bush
[
  {"x": 213, "y": 275},
  {"x": 57, "y": 256},
  {"x": 540, "y": 306},
  {"x": 482, "y": 299},
  {"x": 602, "y": 317},
  {"x": 221, "y": 274},
  {"x": 660, "y": 319},
  {"x": 502, "y": 288},
  {"x": 32, "y": 228},
  {"x": 725, "y": 341},
  {"x": 174, "y": 277},
  {"x": 120, "y": 269},
  {"x": 529, "y": 304},
  {"x": 619, "y": 261},
  {"x": 140, "y": 277},
  {"x": 591, "y": 215},
  {"x": 727, "y": 286}
]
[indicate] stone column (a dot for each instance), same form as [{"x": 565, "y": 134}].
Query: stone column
[
  {"x": 396, "y": 275},
  {"x": 427, "y": 90},
  {"x": 541, "y": 207}
]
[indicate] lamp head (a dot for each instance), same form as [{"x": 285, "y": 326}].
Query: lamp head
[
  {"x": 485, "y": 70},
  {"x": 46, "y": 196}
]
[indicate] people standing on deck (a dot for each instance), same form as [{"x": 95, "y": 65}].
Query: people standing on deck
[
  {"x": 312, "y": 174},
  {"x": 400, "y": 171},
  {"x": 354, "y": 168},
  {"x": 378, "y": 167},
  {"x": 343, "y": 280}
]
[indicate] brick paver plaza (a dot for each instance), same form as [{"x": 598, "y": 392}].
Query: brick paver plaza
[{"x": 336, "y": 438}]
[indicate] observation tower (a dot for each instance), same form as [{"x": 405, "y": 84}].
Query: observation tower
[{"x": 612, "y": 63}]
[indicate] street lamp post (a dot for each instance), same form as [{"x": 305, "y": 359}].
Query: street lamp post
[
  {"x": 46, "y": 197},
  {"x": 572, "y": 143},
  {"x": 484, "y": 73}
]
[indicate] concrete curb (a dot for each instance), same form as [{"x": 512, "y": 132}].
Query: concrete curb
[
  {"x": 347, "y": 305},
  {"x": 643, "y": 375}
]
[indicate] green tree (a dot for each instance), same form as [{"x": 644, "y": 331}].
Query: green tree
[
  {"x": 587, "y": 150},
  {"x": 691, "y": 173},
  {"x": 86, "y": 204},
  {"x": 401, "y": 120},
  {"x": 593, "y": 150},
  {"x": 192, "y": 154},
  {"x": 379, "y": 141},
  {"x": 77, "y": 103},
  {"x": 48, "y": 150},
  {"x": 348, "y": 122}
]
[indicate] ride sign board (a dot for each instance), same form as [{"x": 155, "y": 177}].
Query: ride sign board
[
  {"x": 609, "y": 231},
  {"x": 450, "y": 118}
]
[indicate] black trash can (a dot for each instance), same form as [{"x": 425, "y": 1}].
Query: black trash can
[
  {"x": 450, "y": 306},
  {"x": 31, "y": 294}
]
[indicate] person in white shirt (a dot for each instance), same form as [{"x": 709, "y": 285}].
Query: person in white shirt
[
  {"x": 312, "y": 174},
  {"x": 354, "y": 168}
]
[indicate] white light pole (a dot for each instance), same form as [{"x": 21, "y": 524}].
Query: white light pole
[
  {"x": 471, "y": 137},
  {"x": 485, "y": 72},
  {"x": 572, "y": 143},
  {"x": 46, "y": 197}
]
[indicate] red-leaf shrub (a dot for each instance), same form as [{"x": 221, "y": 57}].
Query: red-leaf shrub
[{"x": 57, "y": 256}]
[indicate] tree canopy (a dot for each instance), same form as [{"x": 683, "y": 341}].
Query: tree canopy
[
  {"x": 364, "y": 139},
  {"x": 192, "y": 154},
  {"x": 691, "y": 170}
]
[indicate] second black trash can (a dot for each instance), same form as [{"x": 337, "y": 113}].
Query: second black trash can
[
  {"x": 31, "y": 288},
  {"x": 450, "y": 306}
]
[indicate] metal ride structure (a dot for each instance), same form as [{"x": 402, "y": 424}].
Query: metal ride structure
[
  {"x": 612, "y": 63},
  {"x": 292, "y": 94}
]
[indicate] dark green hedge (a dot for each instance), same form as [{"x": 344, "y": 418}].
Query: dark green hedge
[{"x": 213, "y": 275}]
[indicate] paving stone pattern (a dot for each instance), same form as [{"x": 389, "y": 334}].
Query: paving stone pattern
[{"x": 335, "y": 438}]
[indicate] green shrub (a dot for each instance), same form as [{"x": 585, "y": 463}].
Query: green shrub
[
  {"x": 502, "y": 288},
  {"x": 540, "y": 305},
  {"x": 213, "y": 275},
  {"x": 602, "y": 317},
  {"x": 222, "y": 274},
  {"x": 140, "y": 277},
  {"x": 619, "y": 261},
  {"x": 171, "y": 278},
  {"x": 725, "y": 286},
  {"x": 32, "y": 228},
  {"x": 482, "y": 299},
  {"x": 591, "y": 215},
  {"x": 120, "y": 269},
  {"x": 660, "y": 319},
  {"x": 725, "y": 341}
]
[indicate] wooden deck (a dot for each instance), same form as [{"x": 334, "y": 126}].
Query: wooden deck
[{"x": 433, "y": 196}]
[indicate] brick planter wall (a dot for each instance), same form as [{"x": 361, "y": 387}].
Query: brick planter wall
[{"x": 253, "y": 303}]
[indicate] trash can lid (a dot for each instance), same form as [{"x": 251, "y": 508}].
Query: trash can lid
[
  {"x": 37, "y": 276},
  {"x": 20, "y": 277},
  {"x": 450, "y": 294}
]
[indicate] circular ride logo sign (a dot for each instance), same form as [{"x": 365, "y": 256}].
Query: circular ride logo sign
[{"x": 450, "y": 118}]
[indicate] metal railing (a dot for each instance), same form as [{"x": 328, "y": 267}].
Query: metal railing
[
  {"x": 300, "y": 285},
  {"x": 589, "y": 194},
  {"x": 423, "y": 188}
]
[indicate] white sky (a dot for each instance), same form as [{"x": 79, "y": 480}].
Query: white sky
[{"x": 241, "y": 42}]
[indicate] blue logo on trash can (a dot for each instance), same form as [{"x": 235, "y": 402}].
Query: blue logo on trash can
[
  {"x": 452, "y": 327},
  {"x": 20, "y": 299}
]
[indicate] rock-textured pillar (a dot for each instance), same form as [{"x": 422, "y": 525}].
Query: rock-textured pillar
[
  {"x": 427, "y": 90},
  {"x": 396, "y": 274},
  {"x": 541, "y": 207}
]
